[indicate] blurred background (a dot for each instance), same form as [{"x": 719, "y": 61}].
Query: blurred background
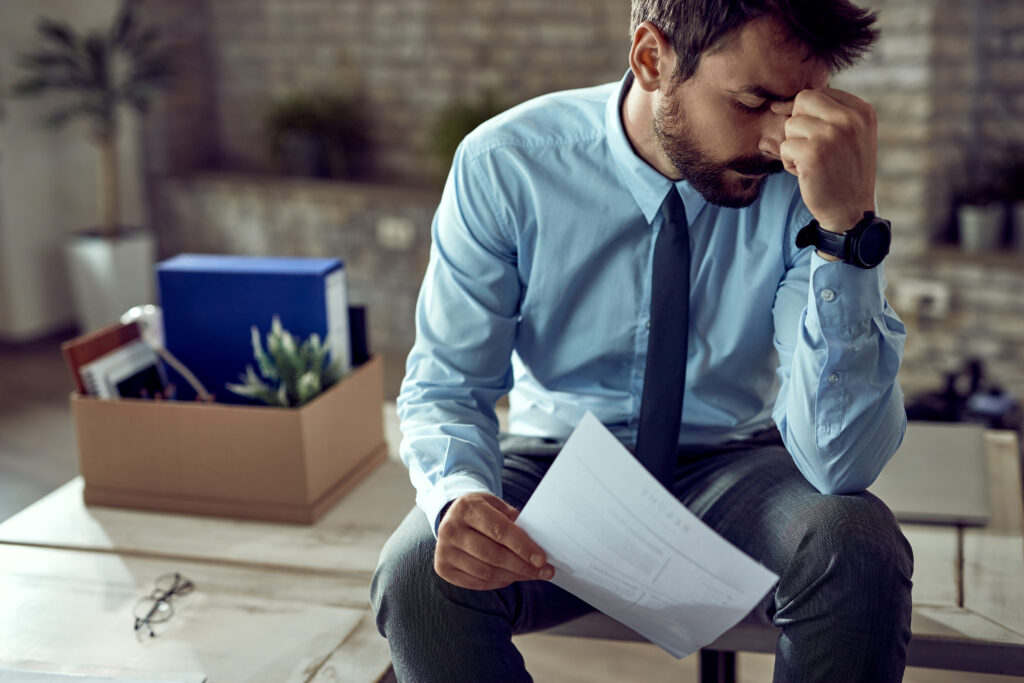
[{"x": 325, "y": 128}]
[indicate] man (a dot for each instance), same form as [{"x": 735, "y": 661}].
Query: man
[{"x": 544, "y": 282}]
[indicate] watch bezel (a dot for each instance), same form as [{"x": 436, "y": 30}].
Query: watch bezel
[{"x": 875, "y": 234}]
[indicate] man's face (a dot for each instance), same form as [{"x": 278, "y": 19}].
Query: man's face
[{"x": 717, "y": 128}]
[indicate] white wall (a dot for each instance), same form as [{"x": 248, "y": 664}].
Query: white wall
[{"x": 49, "y": 182}]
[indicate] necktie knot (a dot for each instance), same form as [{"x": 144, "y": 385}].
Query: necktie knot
[{"x": 672, "y": 209}]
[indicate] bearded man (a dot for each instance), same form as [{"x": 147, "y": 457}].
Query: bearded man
[{"x": 692, "y": 255}]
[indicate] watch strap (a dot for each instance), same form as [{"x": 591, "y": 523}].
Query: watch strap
[{"x": 835, "y": 244}]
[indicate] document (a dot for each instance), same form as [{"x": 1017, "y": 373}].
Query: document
[{"x": 620, "y": 541}]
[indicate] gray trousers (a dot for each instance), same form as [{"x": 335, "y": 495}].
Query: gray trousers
[{"x": 842, "y": 602}]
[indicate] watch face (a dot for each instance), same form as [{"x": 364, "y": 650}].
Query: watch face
[{"x": 873, "y": 243}]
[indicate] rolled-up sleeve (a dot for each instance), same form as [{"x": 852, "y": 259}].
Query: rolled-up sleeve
[{"x": 460, "y": 364}]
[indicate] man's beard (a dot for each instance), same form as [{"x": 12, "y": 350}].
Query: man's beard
[{"x": 695, "y": 165}]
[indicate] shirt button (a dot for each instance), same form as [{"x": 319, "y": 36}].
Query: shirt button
[
  {"x": 828, "y": 294},
  {"x": 833, "y": 378},
  {"x": 647, "y": 324}
]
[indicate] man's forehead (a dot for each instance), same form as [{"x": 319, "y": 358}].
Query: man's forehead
[{"x": 761, "y": 60}]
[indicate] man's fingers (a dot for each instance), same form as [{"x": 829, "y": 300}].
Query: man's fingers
[
  {"x": 784, "y": 108},
  {"x": 807, "y": 127},
  {"x": 467, "y": 580},
  {"x": 457, "y": 560},
  {"x": 847, "y": 99},
  {"x": 489, "y": 552},
  {"x": 794, "y": 153},
  {"x": 834, "y": 106},
  {"x": 493, "y": 522}
]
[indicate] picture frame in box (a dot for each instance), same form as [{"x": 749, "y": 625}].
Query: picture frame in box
[{"x": 250, "y": 462}]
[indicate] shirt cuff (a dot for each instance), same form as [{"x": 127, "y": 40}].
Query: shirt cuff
[
  {"x": 843, "y": 294},
  {"x": 432, "y": 501}
]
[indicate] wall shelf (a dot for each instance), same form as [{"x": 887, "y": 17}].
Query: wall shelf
[{"x": 1007, "y": 258}]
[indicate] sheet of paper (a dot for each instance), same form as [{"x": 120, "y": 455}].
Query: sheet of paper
[{"x": 620, "y": 541}]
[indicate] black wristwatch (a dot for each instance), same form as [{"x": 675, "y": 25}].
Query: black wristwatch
[{"x": 864, "y": 246}]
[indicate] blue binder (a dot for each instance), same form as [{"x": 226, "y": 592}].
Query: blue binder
[{"x": 210, "y": 302}]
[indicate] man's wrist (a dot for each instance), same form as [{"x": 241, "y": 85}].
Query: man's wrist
[
  {"x": 827, "y": 257},
  {"x": 444, "y": 511},
  {"x": 843, "y": 224}
]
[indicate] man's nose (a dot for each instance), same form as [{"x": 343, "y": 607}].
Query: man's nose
[{"x": 774, "y": 128}]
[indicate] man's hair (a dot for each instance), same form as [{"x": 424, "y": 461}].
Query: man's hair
[{"x": 837, "y": 32}]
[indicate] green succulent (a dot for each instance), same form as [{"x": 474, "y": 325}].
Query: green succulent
[{"x": 290, "y": 374}]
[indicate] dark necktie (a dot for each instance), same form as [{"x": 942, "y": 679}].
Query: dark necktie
[{"x": 661, "y": 405}]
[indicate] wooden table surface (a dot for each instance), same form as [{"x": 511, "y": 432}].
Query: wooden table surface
[
  {"x": 273, "y": 602},
  {"x": 279, "y": 602}
]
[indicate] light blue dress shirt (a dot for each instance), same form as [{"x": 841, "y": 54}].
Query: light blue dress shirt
[{"x": 539, "y": 286}]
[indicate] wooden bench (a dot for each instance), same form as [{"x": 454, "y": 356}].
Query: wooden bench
[
  {"x": 67, "y": 568},
  {"x": 968, "y": 591}
]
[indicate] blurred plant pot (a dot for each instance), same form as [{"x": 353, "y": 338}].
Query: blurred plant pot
[
  {"x": 981, "y": 225},
  {"x": 302, "y": 154},
  {"x": 109, "y": 275},
  {"x": 1017, "y": 227}
]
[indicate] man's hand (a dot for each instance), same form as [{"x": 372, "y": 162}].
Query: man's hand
[
  {"x": 831, "y": 146},
  {"x": 479, "y": 547}
]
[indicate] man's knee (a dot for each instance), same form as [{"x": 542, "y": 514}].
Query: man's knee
[
  {"x": 855, "y": 540},
  {"x": 406, "y": 565}
]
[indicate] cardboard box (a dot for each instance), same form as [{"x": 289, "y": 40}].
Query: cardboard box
[{"x": 256, "y": 462}]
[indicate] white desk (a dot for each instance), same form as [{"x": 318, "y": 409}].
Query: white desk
[{"x": 273, "y": 602}]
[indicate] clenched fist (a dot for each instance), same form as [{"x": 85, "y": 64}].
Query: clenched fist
[
  {"x": 480, "y": 547},
  {"x": 831, "y": 146}
]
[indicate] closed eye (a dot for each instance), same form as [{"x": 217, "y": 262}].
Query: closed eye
[{"x": 751, "y": 109}]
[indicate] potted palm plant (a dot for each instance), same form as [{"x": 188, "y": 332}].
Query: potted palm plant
[{"x": 93, "y": 76}]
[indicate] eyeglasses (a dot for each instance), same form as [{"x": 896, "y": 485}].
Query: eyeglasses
[{"x": 156, "y": 607}]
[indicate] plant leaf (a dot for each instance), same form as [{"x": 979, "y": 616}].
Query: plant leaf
[
  {"x": 64, "y": 115},
  {"x": 58, "y": 32},
  {"x": 98, "y": 53},
  {"x": 33, "y": 85},
  {"x": 121, "y": 29},
  {"x": 308, "y": 387},
  {"x": 267, "y": 368}
]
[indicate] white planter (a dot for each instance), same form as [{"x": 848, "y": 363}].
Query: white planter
[
  {"x": 110, "y": 276},
  {"x": 981, "y": 226}
]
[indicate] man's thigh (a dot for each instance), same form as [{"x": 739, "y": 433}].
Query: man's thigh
[
  {"x": 539, "y": 604},
  {"x": 759, "y": 501}
]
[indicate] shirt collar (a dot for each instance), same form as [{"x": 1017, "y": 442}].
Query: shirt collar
[{"x": 648, "y": 187}]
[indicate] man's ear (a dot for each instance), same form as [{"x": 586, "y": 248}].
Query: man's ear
[{"x": 651, "y": 58}]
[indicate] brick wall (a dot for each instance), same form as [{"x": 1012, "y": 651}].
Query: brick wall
[
  {"x": 947, "y": 77},
  {"x": 409, "y": 58},
  {"x": 948, "y": 84},
  {"x": 258, "y": 216}
]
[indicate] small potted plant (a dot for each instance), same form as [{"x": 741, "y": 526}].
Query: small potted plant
[
  {"x": 320, "y": 135},
  {"x": 980, "y": 208},
  {"x": 290, "y": 374},
  {"x": 1013, "y": 174},
  {"x": 93, "y": 76},
  {"x": 454, "y": 122}
]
